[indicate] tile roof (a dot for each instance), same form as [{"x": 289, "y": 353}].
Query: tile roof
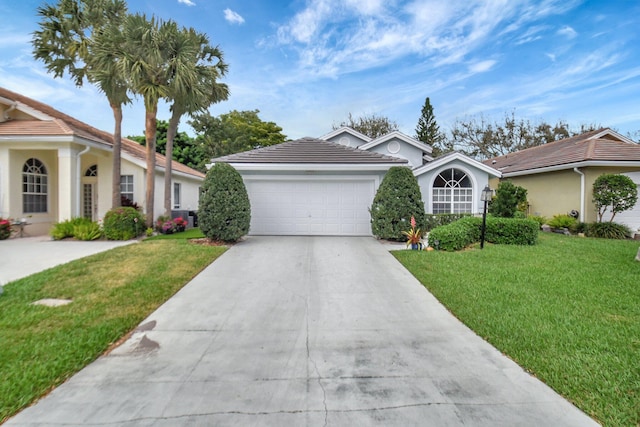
[
  {"x": 602, "y": 145},
  {"x": 65, "y": 125},
  {"x": 310, "y": 150}
]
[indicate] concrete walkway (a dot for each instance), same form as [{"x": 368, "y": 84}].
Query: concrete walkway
[
  {"x": 303, "y": 331},
  {"x": 22, "y": 257}
]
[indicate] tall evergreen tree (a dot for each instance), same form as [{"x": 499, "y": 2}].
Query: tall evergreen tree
[{"x": 428, "y": 130}]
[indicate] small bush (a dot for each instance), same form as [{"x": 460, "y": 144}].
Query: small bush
[
  {"x": 539, "y": 219},
  {"x": 608, "y": 230},
  {"x": 511, "y": 231},
  {"x": 225, "y": 211},
  {"x": 564, "y": 221},
  {"x": 397, "y": 200},
  {"x": 66, "y": 229},
  {"x": 438, "y": 220},
  {"x": 123, "y": 223},
  {"x": 86, "y": 232},
  {"x": 457, "y": 235},
  {"x": 508, "y": 200}
]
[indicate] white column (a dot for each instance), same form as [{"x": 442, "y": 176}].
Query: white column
[{"x": 67, "y": 177}]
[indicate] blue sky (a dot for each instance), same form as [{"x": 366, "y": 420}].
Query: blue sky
[{"x": 307, "y": 64}]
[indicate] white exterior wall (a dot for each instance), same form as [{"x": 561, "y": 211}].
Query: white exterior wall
[
  {"x": 479, "y": 179},
  {"x": 398, "y": 148}
]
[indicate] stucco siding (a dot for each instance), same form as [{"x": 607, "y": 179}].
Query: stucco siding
[
  {"x": 552, "y": 193},
  {"x": 398, "y": 148}
]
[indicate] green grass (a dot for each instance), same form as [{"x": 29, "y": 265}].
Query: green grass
[
  {"x": 40, "y": 347},
  {"x": 192, "y": 233},
  {"x": 567, "y": 310}
]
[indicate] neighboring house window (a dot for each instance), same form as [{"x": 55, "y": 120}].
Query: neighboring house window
[
  {"x": 92, "y": 171},
  {"x": 34, "y": 187},
  {"x": 176, "y": 195},
  {"x": 452, "y": 192},
  {"x": 126, "y": 186}
]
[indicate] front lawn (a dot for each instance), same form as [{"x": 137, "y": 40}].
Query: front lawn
[
  {"x": 112, "y": 292},
  {"x": 567, "y": 310}
]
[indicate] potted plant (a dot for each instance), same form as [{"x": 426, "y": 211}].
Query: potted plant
[{"x": 414, "y": 236}]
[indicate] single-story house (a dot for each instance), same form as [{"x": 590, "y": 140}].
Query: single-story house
[
  {"x": 326, "y": 185},
  {"x": 559, "y": 176},
  {"x": 54, "y": 167}
]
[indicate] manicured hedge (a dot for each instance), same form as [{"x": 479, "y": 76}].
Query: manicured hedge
[
  {"x": 466, "y": 231},
  {"x": 123, "y": 223},
  {"x": 457, "y": 235},
  {"x": 438, "y": 220},
  {"x": 511, "y": 231}
]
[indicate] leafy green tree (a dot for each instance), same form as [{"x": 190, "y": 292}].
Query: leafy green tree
[
  {"x": 428, "y": 130},
  {"x": 185, "y": 148},
  {"x": 81, "y": 37},
  {"x": 373, "y": 126},
  {"x": 224, "y": 212},
  {"x": 616, "y": 193},
  {"x": 235, "y": 132},
  {"x": 508, "y": 199},
  {"x": 398, "y": 199}
]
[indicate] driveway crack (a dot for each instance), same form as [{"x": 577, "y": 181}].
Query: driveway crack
[{"x": 315, "y": 366}]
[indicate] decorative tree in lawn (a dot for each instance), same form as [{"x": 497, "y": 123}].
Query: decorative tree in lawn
[
  {"x": 398, "y": 199},
  {"x": 224, "y": 212},
  {"x": 616, "y": 193},
  {"x": 508, "y": 200}
]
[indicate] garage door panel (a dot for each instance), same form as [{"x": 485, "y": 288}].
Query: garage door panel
[{"x": 311, "y": 207}]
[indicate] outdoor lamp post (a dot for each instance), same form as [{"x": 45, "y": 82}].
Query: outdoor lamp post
[{"x": 485, "y": 196}]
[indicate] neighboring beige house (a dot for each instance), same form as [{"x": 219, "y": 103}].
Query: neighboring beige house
[
  {"x": 559, "y": 176},
  {"x": 54, "y": 167}
]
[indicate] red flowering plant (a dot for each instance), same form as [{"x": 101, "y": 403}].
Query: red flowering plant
[
  {"x": 5, "y": 228},
  {"x": 414, "y": 236},
  {"x": 180, "y": 224}
]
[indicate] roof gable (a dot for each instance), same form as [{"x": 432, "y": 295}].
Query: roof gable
[
  {"x": 402, "y": 137},
  {"x": 601, "y": 147},
  {"x": 450, "y": 157},
  {"x": 48, "y": 122},
  {"x": 310, "y": 151},
  {"x": 346, "y": 130}
]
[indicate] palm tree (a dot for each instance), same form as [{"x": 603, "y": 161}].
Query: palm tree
[
  {"x": 193, "y": 88},
  {"x": 149, "y": 58},
  {"x": 79, "y": 37}
]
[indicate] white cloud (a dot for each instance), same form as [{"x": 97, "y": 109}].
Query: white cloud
[
  {"x": 482, "y": 66},
  {"x": 568, "y": 32},
  {"x": 187, "y": 2},
  {"x": 233, "y": 17}
]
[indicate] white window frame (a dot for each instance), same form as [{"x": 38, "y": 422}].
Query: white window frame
[
  {"x": 126, "y": 186},
  {"x": 458, "y": 198},
  {"x": 177, "y": 192},
  {"x": 35, "y": 187}
]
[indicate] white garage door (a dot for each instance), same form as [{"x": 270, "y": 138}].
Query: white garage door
[{"x": 304, "y": 206}]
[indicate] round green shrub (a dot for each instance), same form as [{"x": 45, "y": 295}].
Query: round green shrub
[
  {"x": 608, "y": 230},
  {"x": 123, "y": 223},
  {"x": 508, "y": 200},
  {"x": 398, "y": 199},
  {"x": 225, "y": 211}
]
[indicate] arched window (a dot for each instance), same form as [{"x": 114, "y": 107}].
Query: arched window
[
  {"x": 34, "y": 187},
  {"x": 452, "y": 192},
  {"x": 91, "y": 171}
]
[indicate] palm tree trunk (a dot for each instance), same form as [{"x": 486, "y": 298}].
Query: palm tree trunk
[
  {"x": 150, "y": 136},
  {"x": 171, "y": 134},
  {"x": 116, "y": 200}
]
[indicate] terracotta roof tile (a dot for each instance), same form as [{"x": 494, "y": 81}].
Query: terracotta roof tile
[
  {"x": 309, "y": 150},
  {"x": 597, "y": 145},
  {"x": 65, "y": 125}
]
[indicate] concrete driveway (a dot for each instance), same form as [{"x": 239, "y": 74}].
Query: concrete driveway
[{"x": 295, "y": 331}]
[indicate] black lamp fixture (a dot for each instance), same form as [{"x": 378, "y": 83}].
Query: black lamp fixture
[{"x": 485, "y": 196}]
